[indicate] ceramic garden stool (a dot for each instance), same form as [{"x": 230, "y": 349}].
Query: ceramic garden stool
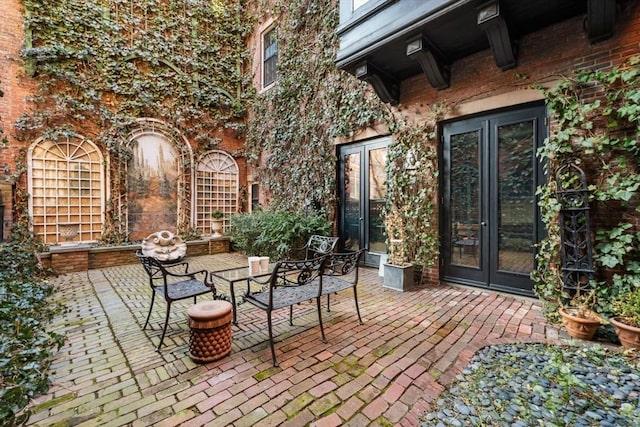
[{"x": 210, "y": 335}]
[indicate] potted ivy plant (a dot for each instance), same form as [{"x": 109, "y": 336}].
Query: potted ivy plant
[
  {"x": 627, "y": 321},
  {"x": 217, "y": 217},
  {"x": 398, "y": 271},
  {"x": 579, "y": 317}
]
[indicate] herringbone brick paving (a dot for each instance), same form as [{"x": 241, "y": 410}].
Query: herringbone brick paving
[{"x": 388, "y": 371}]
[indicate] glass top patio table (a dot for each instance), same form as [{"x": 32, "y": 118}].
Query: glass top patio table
[{"x": 236, "y": 275}]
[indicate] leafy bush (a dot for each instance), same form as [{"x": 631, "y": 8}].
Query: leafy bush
[
  {"x": 275, "y": 234},
  {"x": 627, "y": 306},
  {"x": 596, "y": 127},
  {"x": 25, "y": 344}
]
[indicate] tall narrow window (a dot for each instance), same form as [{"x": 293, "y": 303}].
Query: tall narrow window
[
  {"x": 217, "y": 184},
  {"x": 269, "y": 58},
  {"x": 255, "y": 197},
  {"x": 66, "y": 183}
]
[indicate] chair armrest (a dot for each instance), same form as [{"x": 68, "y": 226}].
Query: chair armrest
[
  {"x": 257, "y": 280},
  {"x": 191, "y": 275},
  {"x": 262, "y": 283}
]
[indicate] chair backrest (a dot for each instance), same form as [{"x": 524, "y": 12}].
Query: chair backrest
[
  {"x": 152, "y": 266},
  {"x": 297, "y": 273},
  {"x": 320, "y": 245},
  {"x": 343, "y": 263}
]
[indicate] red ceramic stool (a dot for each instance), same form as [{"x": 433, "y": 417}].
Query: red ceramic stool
[{"x": 210, "y": 336}]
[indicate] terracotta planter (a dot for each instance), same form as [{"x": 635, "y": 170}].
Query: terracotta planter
[
  {"x": 629, "y": 335},
  {"x": 583, "y": 328}
]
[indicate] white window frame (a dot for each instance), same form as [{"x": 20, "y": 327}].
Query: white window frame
[
  {"x": 66, "y": 186},
  {"x": 272, "y": 56},
  {"x": 217, "y": 188}
]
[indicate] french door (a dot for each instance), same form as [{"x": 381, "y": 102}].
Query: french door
[
  {"x": 361, "y": 180},
  {"x": 489, "y": 216}
]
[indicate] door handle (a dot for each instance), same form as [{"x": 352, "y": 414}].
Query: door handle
[{"x": 482, "y": 223}]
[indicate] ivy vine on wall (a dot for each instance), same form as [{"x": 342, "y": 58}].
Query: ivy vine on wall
[
  {"x": 596, "y": 126},
  {"x": 296, "y": 122},
  {"x": 101, "y": 64},
  {"x": 412, "y": 189}
]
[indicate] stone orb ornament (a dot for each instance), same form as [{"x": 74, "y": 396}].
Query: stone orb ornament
[{"x": 164, "y": 246}]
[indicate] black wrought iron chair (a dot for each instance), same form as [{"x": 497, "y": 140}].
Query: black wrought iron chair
[
  {"x": 319, "y": 245},
  {"x": 172, "y": 286},
  {"x": 341, "y": 272},
  {"x": 290, "y": 283}
]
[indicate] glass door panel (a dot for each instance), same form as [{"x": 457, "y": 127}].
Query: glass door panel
[
  {"x": 516, "y": 197},
  {"x": 377, "y": 194},
  {"x": 465, "y": 198},
  {"x": 352, "y": 201}
]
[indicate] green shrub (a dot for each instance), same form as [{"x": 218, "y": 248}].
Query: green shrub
[
  {"x": 25, "y": 344},
  {"x": 275, "y": 234},
  {"x": 627, "y": 306}
]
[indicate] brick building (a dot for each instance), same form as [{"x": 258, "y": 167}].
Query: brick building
[
  {"x": 482, "y": 60},
  {"x": 485, "y": 61}
]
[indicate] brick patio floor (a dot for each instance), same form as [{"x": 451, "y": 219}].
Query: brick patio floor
[{"x": 388, "y": 371}]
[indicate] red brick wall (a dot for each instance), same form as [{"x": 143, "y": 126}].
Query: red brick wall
[
  {"x": 543, "y": 57},
  {"x": 67, "y": 260},
  {"x": 15, "y": 87},
  {"x": 102, "y": 258},
  {"x": 219, "y": 246}
]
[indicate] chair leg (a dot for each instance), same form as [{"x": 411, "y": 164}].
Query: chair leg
[
  {"x": 166, "y": 322},
  {"x": 329, "y": 302},
  {"x": 324, "y": 340},
  {"x": 290, "y": 315},
  {"x": 273, "y": 350},
  {"x": 355, "y": 298},
  {"x": 146, "y": 322}
]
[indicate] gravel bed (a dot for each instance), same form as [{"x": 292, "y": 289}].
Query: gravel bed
[{"x": 522, "y": 385}]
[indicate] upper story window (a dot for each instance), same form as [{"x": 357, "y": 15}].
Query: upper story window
[
  {"x": 354, "y": 11},
  {"x": 358, "y": 3},
  {"x": 269, "y": 57}
]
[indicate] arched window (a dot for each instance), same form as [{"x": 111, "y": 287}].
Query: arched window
[
  {"x": 217, "y": 188},
  {"x": 66, "y": 183}
]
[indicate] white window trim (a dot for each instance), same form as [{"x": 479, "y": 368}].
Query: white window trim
[{"x": 262, "y": 58}]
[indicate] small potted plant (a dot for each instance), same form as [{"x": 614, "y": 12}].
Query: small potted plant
[
  {"x": 579, "y": 317},
  {"x": 217, "y": 218},
  {"x": 627, "y": 321}
]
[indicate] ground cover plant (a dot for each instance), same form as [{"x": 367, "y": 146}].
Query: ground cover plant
[
  {"x": 26, "y": 345},
  {"x": 542, "y": 385}
]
